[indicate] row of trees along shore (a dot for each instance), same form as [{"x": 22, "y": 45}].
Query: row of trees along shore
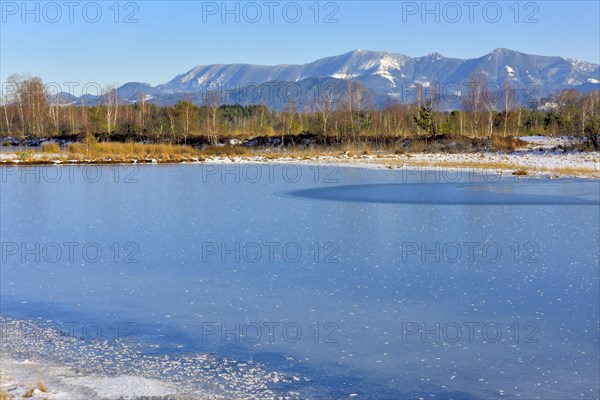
[{"x": 29, "y": 111}]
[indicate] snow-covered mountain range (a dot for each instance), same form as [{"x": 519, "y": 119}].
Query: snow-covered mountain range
[{"x": 388, "y": 78}]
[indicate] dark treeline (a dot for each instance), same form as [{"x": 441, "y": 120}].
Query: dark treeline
[{"x": 30, "y": 112}]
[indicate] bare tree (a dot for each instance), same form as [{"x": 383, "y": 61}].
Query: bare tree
[
  {"x": 213, "y": 102},
  {"x": 6, "y": 100},
  {"x": 288, "y": 115},
  {"x": 262, "y": 114},
  {"x": 568, "y": 102},
  {"x": 172, "y": 116},
  {"x": 15, "y": 82},
  {"x": 187, "y": 118},
  {"x": 35, "y": 101},
  {"x": 489, "y": 102},
  {"x": 473, "y": 102},
  {"x": 54, "y": 109},
  {"x": 71, "y": 119},
  {"x": 110, "y": 100},
  {"x": 325, "y": 102},
  {"x": 508, "y": 104},
  {"x": 355, "y": 102},
  {"x": 8, "y": 120},
  {"x": 586, "y": 105},
  {"x": 142, "y": 112}
]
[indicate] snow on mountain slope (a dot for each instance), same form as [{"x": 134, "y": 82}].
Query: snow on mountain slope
[
  {"x": 390, "y": 74},
  {"x": 388, "y": 71}
]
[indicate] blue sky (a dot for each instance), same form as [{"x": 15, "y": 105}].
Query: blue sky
[{"x": 165, "y": 38}]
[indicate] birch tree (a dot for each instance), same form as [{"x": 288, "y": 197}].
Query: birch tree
[
  {"x": 325, "y": 101},
  {"x": 213, "y": 102},
  {"x": 473, "y": 102},
  {"x": 110, "y": 100}
]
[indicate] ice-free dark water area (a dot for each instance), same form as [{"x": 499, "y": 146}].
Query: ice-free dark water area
[{"x": 351, "y": 282}]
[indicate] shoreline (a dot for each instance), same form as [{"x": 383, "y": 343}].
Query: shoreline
[
  {"x": 39, "y": 380},
  {"x": 40, "y": 362},
  {"x": 545, "y": 165}
]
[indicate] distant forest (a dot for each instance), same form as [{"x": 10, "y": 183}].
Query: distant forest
[{"x": 29, "y": 111}]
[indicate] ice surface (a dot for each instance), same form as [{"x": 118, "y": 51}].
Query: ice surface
[{"x": 370, "y": 290}]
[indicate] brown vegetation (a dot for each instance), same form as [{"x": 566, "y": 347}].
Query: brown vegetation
[
  {"x": 50, "y": 148},
  {"x": 41, "y": 387},
  {"x": 30, "y": 112}
]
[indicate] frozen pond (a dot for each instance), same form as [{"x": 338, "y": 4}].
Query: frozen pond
[{"x": 333, "y": 282}]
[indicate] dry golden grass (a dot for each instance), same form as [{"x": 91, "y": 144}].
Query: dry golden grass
[
  {"x": 75, "y": 148},
  {"x": 354, "y": 149},
  {"x": 506, "y": 143},
  {"x": 226, "y": 150},
  {"x": 502, "y": 143},
  {"x": 497, "y": 165},
  {"x": 128, "y": 151},
  {"x": 28, "y": 393},
  {"x": 50, "y": 148},
  {"x": 142, "y": 151},
  {"x": 516, "y": 142},
  {"x": 115, "y": 152},
  {"x": 41, "y": 387},
  {"x": 573, "y": 171},
  {"x": 25, "y": 156},
  {"x": 417, "y": 146}
]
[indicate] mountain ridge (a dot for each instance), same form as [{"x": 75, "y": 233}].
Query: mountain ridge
[{"x": 386, "y": 75}]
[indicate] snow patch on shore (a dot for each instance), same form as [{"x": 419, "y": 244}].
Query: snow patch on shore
[
  {"x": 74, "y": 368},
  {"x": 59, "y": 382}
]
